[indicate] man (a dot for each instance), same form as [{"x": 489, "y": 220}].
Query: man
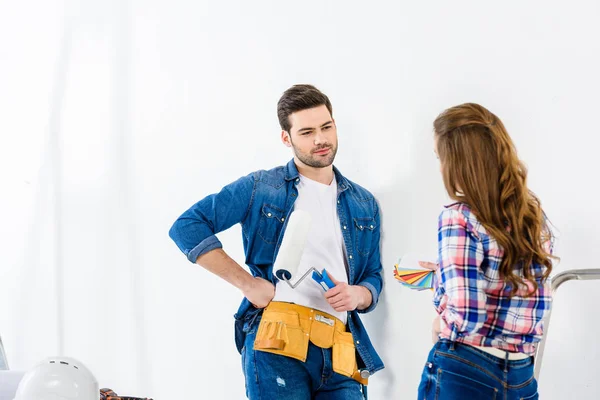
[{"x": 304, "y": 342}]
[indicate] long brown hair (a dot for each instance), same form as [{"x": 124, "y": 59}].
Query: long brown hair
[{"x": 480, "y": 168}]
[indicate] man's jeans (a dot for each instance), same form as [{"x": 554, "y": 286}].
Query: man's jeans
[
  {"x": 274, "y": 377},
  {"x": 455, "y": 371}
]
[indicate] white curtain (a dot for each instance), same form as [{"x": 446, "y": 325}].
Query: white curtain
[{"x": 74, "y": 283}]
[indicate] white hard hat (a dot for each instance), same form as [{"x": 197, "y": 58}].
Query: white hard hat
[{"x": 58, "y": 378}]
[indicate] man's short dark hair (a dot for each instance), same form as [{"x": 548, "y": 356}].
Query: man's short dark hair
[{"x": 298, "y": 98}]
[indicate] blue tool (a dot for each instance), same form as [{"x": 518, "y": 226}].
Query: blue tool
[
  {"x": 320, "y": 277},
  {"x": 323, "y": 279}
]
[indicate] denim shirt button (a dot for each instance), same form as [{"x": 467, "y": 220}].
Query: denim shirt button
[{"x": 350, "y": 256}]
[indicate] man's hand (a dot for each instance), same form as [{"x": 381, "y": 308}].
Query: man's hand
[
  {"x": 344, "y": 297},
  {"x": 259, "y": 292}
]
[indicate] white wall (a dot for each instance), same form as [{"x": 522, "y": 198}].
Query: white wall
[{"x": 157, "y": 104}]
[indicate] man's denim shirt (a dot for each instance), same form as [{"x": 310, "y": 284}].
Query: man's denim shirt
[{"x": 262, "y": 203}]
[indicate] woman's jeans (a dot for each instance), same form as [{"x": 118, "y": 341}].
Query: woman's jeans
[{"x": 456, "y": 371}]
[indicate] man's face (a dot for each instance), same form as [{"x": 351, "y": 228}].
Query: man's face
[{"x": 313, "y": 136}]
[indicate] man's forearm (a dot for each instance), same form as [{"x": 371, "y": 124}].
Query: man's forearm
[
  {"x": 220, "y": 264},
  {"x": 258, "y": 291}
]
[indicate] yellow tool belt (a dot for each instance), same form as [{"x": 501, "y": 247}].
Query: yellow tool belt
[{"x": 286, "y": 329}]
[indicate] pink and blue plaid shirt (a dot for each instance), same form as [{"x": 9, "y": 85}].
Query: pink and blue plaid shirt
[{"x": 472, "y": 299}]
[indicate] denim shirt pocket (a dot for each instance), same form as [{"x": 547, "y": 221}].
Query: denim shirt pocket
[
  {"x": 364, "y": 234},
  {"x": 270, "y": 224}
]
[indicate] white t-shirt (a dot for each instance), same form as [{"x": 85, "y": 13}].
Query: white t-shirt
[{"x": 324, "y": 247}]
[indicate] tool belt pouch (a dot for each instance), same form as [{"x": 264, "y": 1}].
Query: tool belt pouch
[
  {"x": 280, "y": 332},
  {"x": 344, "y": 354}
]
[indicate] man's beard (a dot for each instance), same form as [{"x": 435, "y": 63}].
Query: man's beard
[{"x": 315, "y": 160}]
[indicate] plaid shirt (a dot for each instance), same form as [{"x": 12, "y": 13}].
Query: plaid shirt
[{"x": 474, "y": 303}]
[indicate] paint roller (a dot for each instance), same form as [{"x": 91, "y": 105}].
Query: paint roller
[
  {"x": 290, "y": 252},
  {"x": 288, "y": 261}
]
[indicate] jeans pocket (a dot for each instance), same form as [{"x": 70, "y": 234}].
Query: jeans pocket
[
  {"x": 529, "y": 392},
  {"x": 454, "y": 386}
]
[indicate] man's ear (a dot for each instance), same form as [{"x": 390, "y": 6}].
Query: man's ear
[{"x": 285, "y": 138}]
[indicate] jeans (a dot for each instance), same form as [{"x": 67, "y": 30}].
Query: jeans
[
  {"x": 455, "y": 371},
  {"x": 275, "y": 377}
]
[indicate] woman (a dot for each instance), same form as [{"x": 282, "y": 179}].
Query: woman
[{"x": 495, "y": 257}]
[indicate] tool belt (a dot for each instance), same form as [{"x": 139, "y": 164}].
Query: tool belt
[{"x": 287, "y": 328}]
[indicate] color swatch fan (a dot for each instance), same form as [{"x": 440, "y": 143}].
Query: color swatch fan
[{"x": 417, "y": 279}]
